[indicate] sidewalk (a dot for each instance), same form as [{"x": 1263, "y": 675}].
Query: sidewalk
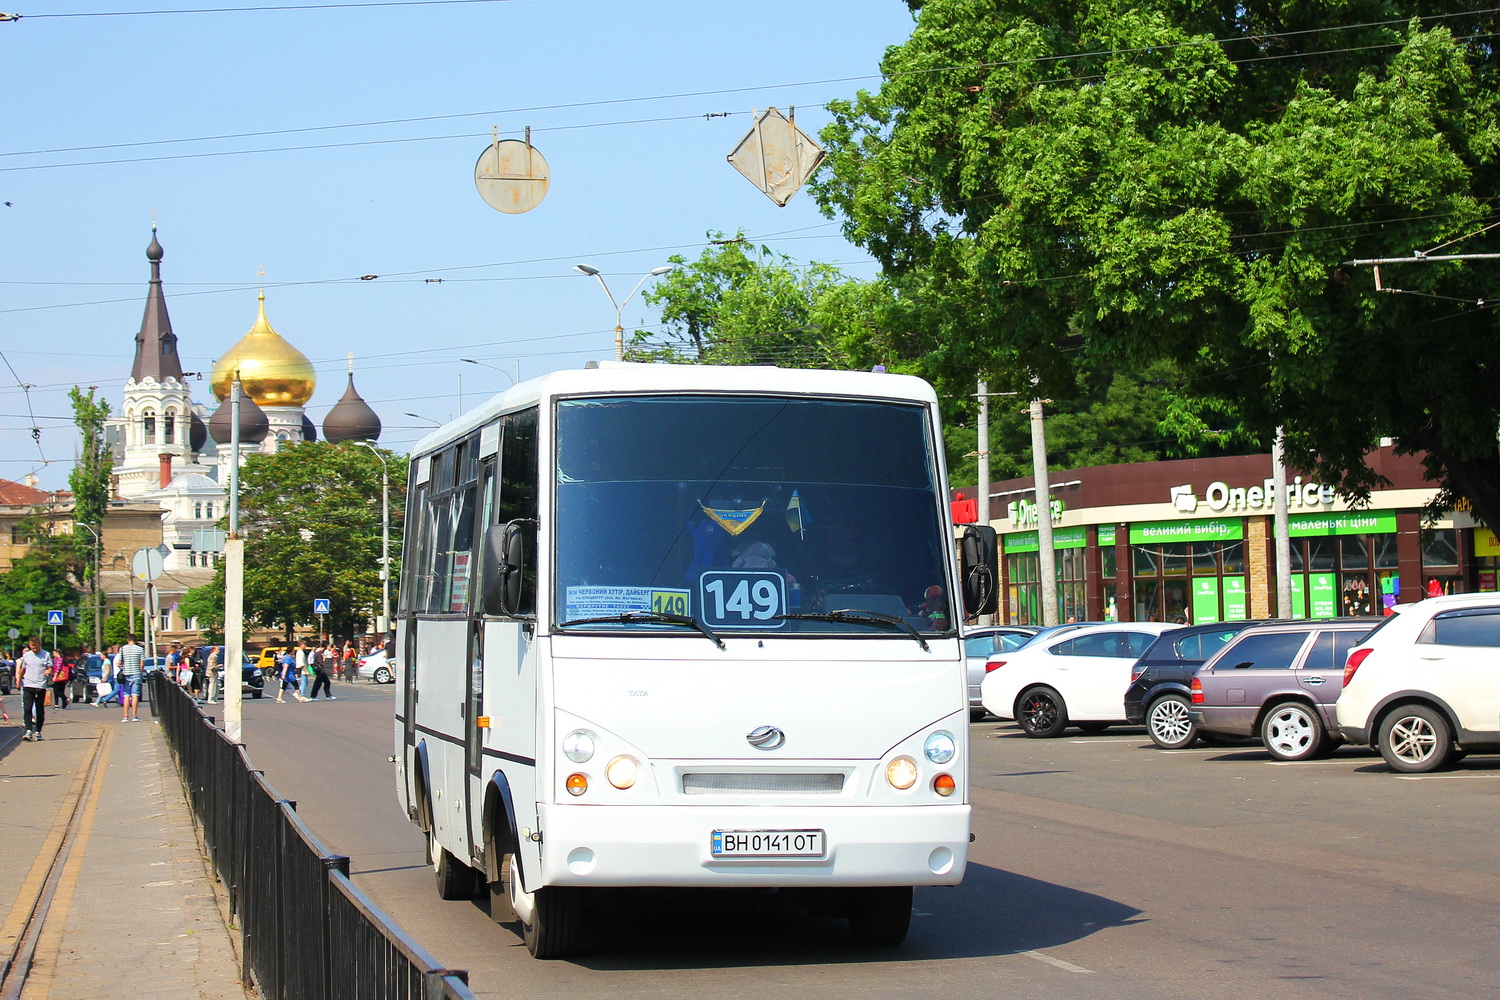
[{"x": 134, "y": 913}]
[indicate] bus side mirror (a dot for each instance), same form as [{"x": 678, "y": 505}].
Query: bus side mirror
[
  {"x": 505, "y": 570},
  {"x": 979, "y": 569}
]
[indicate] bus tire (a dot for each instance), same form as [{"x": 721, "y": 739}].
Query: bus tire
[
  {"x": 880, "y": 916},
  {"x": 551, "y": 917},
  {"x": 455, "y": 880}
]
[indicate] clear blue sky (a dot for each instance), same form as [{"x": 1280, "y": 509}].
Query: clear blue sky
[{"x": 615, "y": 94}]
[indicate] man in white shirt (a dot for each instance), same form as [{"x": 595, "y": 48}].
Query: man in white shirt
[{"x": 35, "y": 669}]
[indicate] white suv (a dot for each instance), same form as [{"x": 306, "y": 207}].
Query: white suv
[{"x": 1425, "y": 682}]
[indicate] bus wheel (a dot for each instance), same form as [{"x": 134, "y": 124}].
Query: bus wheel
[
  {"x": 880, "y": 916},
  {"x": 455, "y": 880},
  {"x": 502, "y": 905},
  {"x": 551, "y": 918}
]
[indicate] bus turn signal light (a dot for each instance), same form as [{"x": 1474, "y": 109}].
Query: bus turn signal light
[
  {"x": 944, "y": 785},
  {"x": 577, "y": 784}
]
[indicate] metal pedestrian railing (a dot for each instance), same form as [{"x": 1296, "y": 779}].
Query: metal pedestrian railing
[{"x": 306, "y": 932}]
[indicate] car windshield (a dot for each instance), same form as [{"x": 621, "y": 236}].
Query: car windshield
[{"x": 746, "y": 512}]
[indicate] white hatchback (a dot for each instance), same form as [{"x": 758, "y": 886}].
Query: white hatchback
[
  {"x": 1076, "y": 677},
  {"x": 1426, "y": 682}
]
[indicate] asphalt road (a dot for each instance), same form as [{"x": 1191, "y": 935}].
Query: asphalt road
[{"x": 1103, "y": 867}]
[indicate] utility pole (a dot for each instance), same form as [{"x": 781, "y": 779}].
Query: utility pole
[
  {"x": 1282, "y": 528},
  {"x": 234, "y": 585},
  {"x": 1046, "y": 556},
  {"x": 984, "y": 452}
]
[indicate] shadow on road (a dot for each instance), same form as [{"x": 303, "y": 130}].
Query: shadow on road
[{"x": 669, "y": 929}]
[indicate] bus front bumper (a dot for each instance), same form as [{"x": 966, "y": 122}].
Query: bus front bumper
[{"x": 674, "y": 845}]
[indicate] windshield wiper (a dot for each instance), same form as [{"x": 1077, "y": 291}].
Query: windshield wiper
[
  {"x": 852, "y": 616},
  {"x": 661, "y": 617}
]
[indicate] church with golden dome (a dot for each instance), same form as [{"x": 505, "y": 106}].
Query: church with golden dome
[{"x": 170, "y": 449}]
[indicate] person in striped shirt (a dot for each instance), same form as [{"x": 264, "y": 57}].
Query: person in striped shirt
[{"x": 128, "y": 675}]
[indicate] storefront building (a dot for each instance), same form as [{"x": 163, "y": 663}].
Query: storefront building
[{"x": 1194, "y": 541}]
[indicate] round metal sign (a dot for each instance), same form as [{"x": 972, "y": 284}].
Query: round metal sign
[
  {"x": 511, "y": 176},
  {"x": 14, "y": 633}
]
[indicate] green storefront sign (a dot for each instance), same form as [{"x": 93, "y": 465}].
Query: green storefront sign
[
  {"x": 1376, "y": 522},
  {"x": 1062, "y": 538},
  {"x": 1213, "y": 529}
]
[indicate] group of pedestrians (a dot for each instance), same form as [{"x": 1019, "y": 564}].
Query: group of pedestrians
[
  {"x": 43, "y": 674},
  {"x": 306, "y": 670}
]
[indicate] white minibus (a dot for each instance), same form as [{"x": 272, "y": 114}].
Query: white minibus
[{"x": 688, "y": 626}]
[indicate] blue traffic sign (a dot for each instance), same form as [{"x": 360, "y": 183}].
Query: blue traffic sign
[
  {"x": 54, "y": 618},
  {"x": 322, "y": 606}
]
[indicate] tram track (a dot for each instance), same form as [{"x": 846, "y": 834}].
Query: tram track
[{"x": 53, "y": 875}]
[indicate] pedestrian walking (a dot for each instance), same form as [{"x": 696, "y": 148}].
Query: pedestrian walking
[
  {"x": 317, "y": 662},
  {"x": 288, "y": 677},
  {"x": 60, "y": 677},
  {"x": 304, "y": 673},
  {"x": 215, "y": 663},
  {"x": 351, "y": 672},
  {"x": 129, "y": 672},
  {"x": 35, "y": 669}
]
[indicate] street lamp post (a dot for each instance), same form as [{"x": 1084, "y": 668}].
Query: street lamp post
[
  {"x": 514, "y": 379},
  {"x": 98, "y": 568},
  {"x": 419, "y": 416},
  {"x": 385, "y": 541},
  {"x": 620, "y": 306}
]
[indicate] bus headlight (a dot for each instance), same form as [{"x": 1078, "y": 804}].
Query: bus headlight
[
  {"x": 621, "y": 771},
  {"x": 940, "y": 747},
  {"x": 579, "y": 745},
  {"x": 901, "y": 773}
]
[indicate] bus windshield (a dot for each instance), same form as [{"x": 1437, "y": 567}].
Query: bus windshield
[{"x": 748, "y": 513}]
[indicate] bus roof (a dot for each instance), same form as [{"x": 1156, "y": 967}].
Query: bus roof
[{"x": 629, "y": 376}]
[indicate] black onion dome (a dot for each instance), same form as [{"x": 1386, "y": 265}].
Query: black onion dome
[
  {"x": 253, "y": 423},
  {"x": 197, "y": 433},
  {"x": 309, "y": 429},
  {"x": 154, "y": 252},
  {"x": 351, "y": 418}
]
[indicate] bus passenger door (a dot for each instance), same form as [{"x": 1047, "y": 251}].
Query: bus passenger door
[{"x": 475, "y": 727}]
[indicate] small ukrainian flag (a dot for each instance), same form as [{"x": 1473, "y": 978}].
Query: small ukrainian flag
[{"x": 797, "y": 519}]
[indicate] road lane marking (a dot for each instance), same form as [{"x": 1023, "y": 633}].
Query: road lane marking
[{"x": 1056, "y": 963}]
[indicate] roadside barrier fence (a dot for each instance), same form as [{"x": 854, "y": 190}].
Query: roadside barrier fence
[{"x": 306, "y": 931}]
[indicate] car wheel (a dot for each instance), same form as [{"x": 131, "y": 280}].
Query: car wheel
[
  {"x": 1292, "y": 730},
  {"x": 1167, "y": 723},
  {"x": 383, "y": 676},
  {"x": 1041, "y": 713},
  {"x": 880, "y": 916},
  {"x": 1415, "y": 739}
]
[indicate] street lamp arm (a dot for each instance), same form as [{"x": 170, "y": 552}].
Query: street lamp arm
[{"x": 481, "y": 364}]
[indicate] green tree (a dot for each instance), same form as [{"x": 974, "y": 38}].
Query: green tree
[
  {"x": 43, "y": 579},
  {"x": 1070, "y": 188},
  {"x": 310, "y": 514},
  {"x": 89, "y": 484}
]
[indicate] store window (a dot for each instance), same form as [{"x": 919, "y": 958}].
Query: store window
[
  {"x": 1023, "y": 575},
  {"x": 1190, "y": 581},
  {"x": 1345, "y": 574},
  {"x": 1440, "y": 569}
]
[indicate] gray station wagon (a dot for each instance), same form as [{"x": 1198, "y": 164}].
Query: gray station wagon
[{"x": 1278, "y": 681}]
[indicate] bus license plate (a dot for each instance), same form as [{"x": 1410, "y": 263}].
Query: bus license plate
[{"x": 769, "y": 844}]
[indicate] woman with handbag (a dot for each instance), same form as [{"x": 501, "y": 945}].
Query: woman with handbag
[{"x": 62, "y": 672}]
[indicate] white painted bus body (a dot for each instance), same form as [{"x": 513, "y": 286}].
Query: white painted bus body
[{"x": 848, "y": 700}]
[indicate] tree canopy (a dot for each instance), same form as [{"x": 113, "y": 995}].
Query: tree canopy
[{"x": 1094, "y": 185}]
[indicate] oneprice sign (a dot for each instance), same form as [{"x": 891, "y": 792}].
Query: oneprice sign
[{"x": 1220, "y": 497}]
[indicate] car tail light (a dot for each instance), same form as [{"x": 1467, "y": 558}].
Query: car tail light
[
  {"x": 993, "y": 665},
  {"x": 1352, "y": 664},
  {"x": 1197, "y": 692},
  {"x": 1135, "y": 674}
]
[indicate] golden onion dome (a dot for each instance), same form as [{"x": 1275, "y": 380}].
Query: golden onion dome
[{"x": 272, "y": 372}]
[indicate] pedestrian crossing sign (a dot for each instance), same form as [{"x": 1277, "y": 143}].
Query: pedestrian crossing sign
[
  {"x": 322, "y": 606},
  {"x": 54, "y": 618}
]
